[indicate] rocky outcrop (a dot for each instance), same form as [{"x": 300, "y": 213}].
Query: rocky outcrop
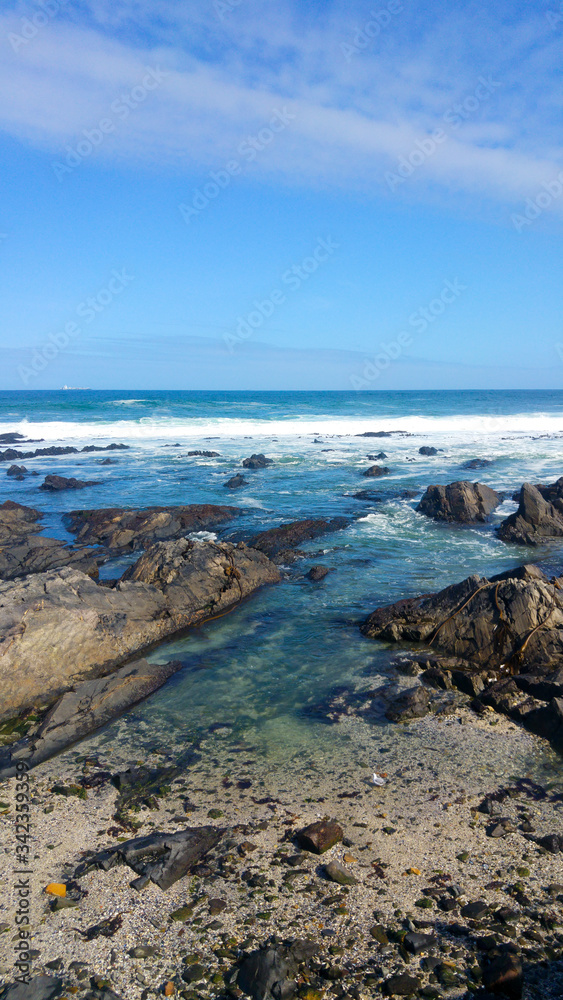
[
  {"x": 53, "y": 484},
  {"x": 477, "y": 463},
  {"x": 281, "y": 543},
  {"x": 23, "y": 550},
  {"x": 375, "y": 471},
  {"x": 462, "y": 501},
  {"x": 203, "y": 454},
  {"x": 60, "y": 628},
  {"x": 505, "y": 636},
  {"x": 121, "y": 530},
  {"x": 427, "y": 450},
  {"x": 257, "y": 462},
  {"x": 85, "y": 708},
  {"x": 539, "y": 515},
  {"x": 235, "y": 483},
  {"x": 11, "y": 455}
]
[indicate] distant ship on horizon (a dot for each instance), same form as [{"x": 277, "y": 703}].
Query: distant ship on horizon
[{"x": 81, "y": 388}]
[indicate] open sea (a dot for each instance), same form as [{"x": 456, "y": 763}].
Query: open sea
[{"x": 251, "y": 680}]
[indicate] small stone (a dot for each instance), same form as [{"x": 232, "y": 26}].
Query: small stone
[
  {"x": 215, "y": 813},
  {"x": 183, "y": 913},
  {"x": 474, "y": 910},
  {"x": 142, "y": 951},
  {"x": 336, "y": 873},
  {"x": 217, "y": 906},
  {"x": 350, "y": 859},
  {"x": 169, "y": 990},
  {"x": 463, "y": 856},
  {"x": 402, "y": 985},
  {"x": 194, "y": 974},
  {"x": 425, "y": 903},
  {"x": 415, "y": 943},
  {"x": 378, "y": 933},
  {"x": 56, "y": 889},
  {"x": 320, "y": 837}
]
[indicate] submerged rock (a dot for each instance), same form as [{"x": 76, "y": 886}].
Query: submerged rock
[
  {"x": 172, "y": 586},
  {"x": 375, "y": 471},
  {"x": 477, "y": 463},
  {"x": 235, "y": 482},
  {"x": 81, "y": 711},
  {"x": 55, "y": 483},
  {"x": 317, "y": 573},
  {"x": 537, "y": 518},
  {"x": 427, "y": 450},
  {"x": 320, "y": 837},
  {"x": 462, "y": 501},
  {"x": 122, "y": 530}
]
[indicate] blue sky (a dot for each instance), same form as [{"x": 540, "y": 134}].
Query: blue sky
[{"x": 174, "y": 173}]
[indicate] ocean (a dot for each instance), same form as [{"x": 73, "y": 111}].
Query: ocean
[{"x": 255, "y": 679}]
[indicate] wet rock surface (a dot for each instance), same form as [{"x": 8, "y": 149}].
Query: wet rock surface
[
  {"x": 235, "y": 483},
  {"x": 53, "y": 483},
  {"x": 122, "y": 530},
  {"x": 539, "y": 515},
  {"x": 172, "y": 586},
  {"x": 462, "y": 501},
  {"x": 375, "y": 471},
  {"x": 257, "y": 462},
  {"x": 12, "y": 455},
  {"x": 23, "y": 550},
  {"x": 277, "y": 543}
]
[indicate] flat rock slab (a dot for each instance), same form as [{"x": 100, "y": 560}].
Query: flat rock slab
[
  {"x": 275, "y": 541},
  {"x": 121, "y": 530},
  {"x": 81, "y": 711},
  {"x": 38, "y": 988},
  {"x": 162, "y": 857},
  {"x": 336, "y": 873},
  {"x": 60, "y": 628},
  {"x": 464, "y": 502},
  {"x": 320, "y": 837}
]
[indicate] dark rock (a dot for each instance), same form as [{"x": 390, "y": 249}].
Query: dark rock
[
  {"x": 56, "y": 483},
  {"x": 203, "y": 454},
  {"x": 163, "y": 857},
  {"x": 383, "y": 496},
  {"x": 277, "y": 541},
  {"x": 89, "y": 706},
  {"x": 16, "y": 470},
  {"x": 473, "y": 911},
  {"x": 415, "y": 943},
  {"x": 377, "y": 470},
  {"x": 38, "y": 988},
  {"x": 402, "y": 986},
  {"x": 437, "y": 678},
  {"x": 257, "y": 462},
  {"x": 235, "y": 483},
  {"x": 411, "y": 704},
  {"x": 380, "y": 434},
  {"x": 477, "y": 463},
  {"x": 536, "y": 518},
  {"x": 553, "y": 842},
  {"x": 121, "y": 530},
  {"x": 427, "y": 450},
  {"x": 11, "y": 455},
  {"x": 172, "y": 586},
  {"x": 22, "y": 551},
  {"x": 320, "y": 837},
  {"x": 270, "y": 972},
  {"x": 107, "y": 461},
  {"x": 380, "y": 457},
  {"x": 11, "y": 437},
  {"x": 318, "y": 573},
  {"x": 504, "y": 976},
  {"x": 462, "y": 501}
]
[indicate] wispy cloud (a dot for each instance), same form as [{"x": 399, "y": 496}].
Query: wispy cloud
[{"x": 353, "y": 120}]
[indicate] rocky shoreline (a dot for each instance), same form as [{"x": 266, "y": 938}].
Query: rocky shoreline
[{"x": 423, "y": 890}]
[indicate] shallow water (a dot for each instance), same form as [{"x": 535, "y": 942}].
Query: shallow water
[{"x": 260, "y": 669}]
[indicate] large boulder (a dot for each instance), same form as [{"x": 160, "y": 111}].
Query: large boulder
[
  {"x": 462, "y": 501},
  {"x": 60, "y": 627},
  {"x": 23, "y": 550},
  {"x": 539, "y": 515},
  {"x": 257, "y": 462},
  {"x": 121, "y": 530}
]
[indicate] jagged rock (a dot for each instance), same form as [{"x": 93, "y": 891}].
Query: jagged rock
[
  {"x": 380, "y": 457},
  {"x": 411, "y": 704},
  {"x": 86, "y": 708},
  {"x": 23, "y": 551},
  {"x": 375, "y": 471},
  {"x": 38, "y": 988},
  {"x": 537, "y": 518},
  {"x": 320, "y": 837},
  {"x": 11, "y": 455},
  {"x": 17, "y": 521},
  {"x": 11, "y": 437},
  {"x": 415, "y": 943},
  {"x": 162, "y": 857},
  {"x": 270, "y": 972},
  {"x": 172, "y": 586},
  {"x": 121, "y": 530},
  {"x": 278, "y": 541},
  {"x": 16, "y": 470},
  {"x": 462, "y": 501},
  {"x": 235, "y": 482},
  {"x": 427, "y": 450},
  {"x": 203, "y": 454},
  {"x": 55, "y": 483},
  {"x": 257, "y": 462}
]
